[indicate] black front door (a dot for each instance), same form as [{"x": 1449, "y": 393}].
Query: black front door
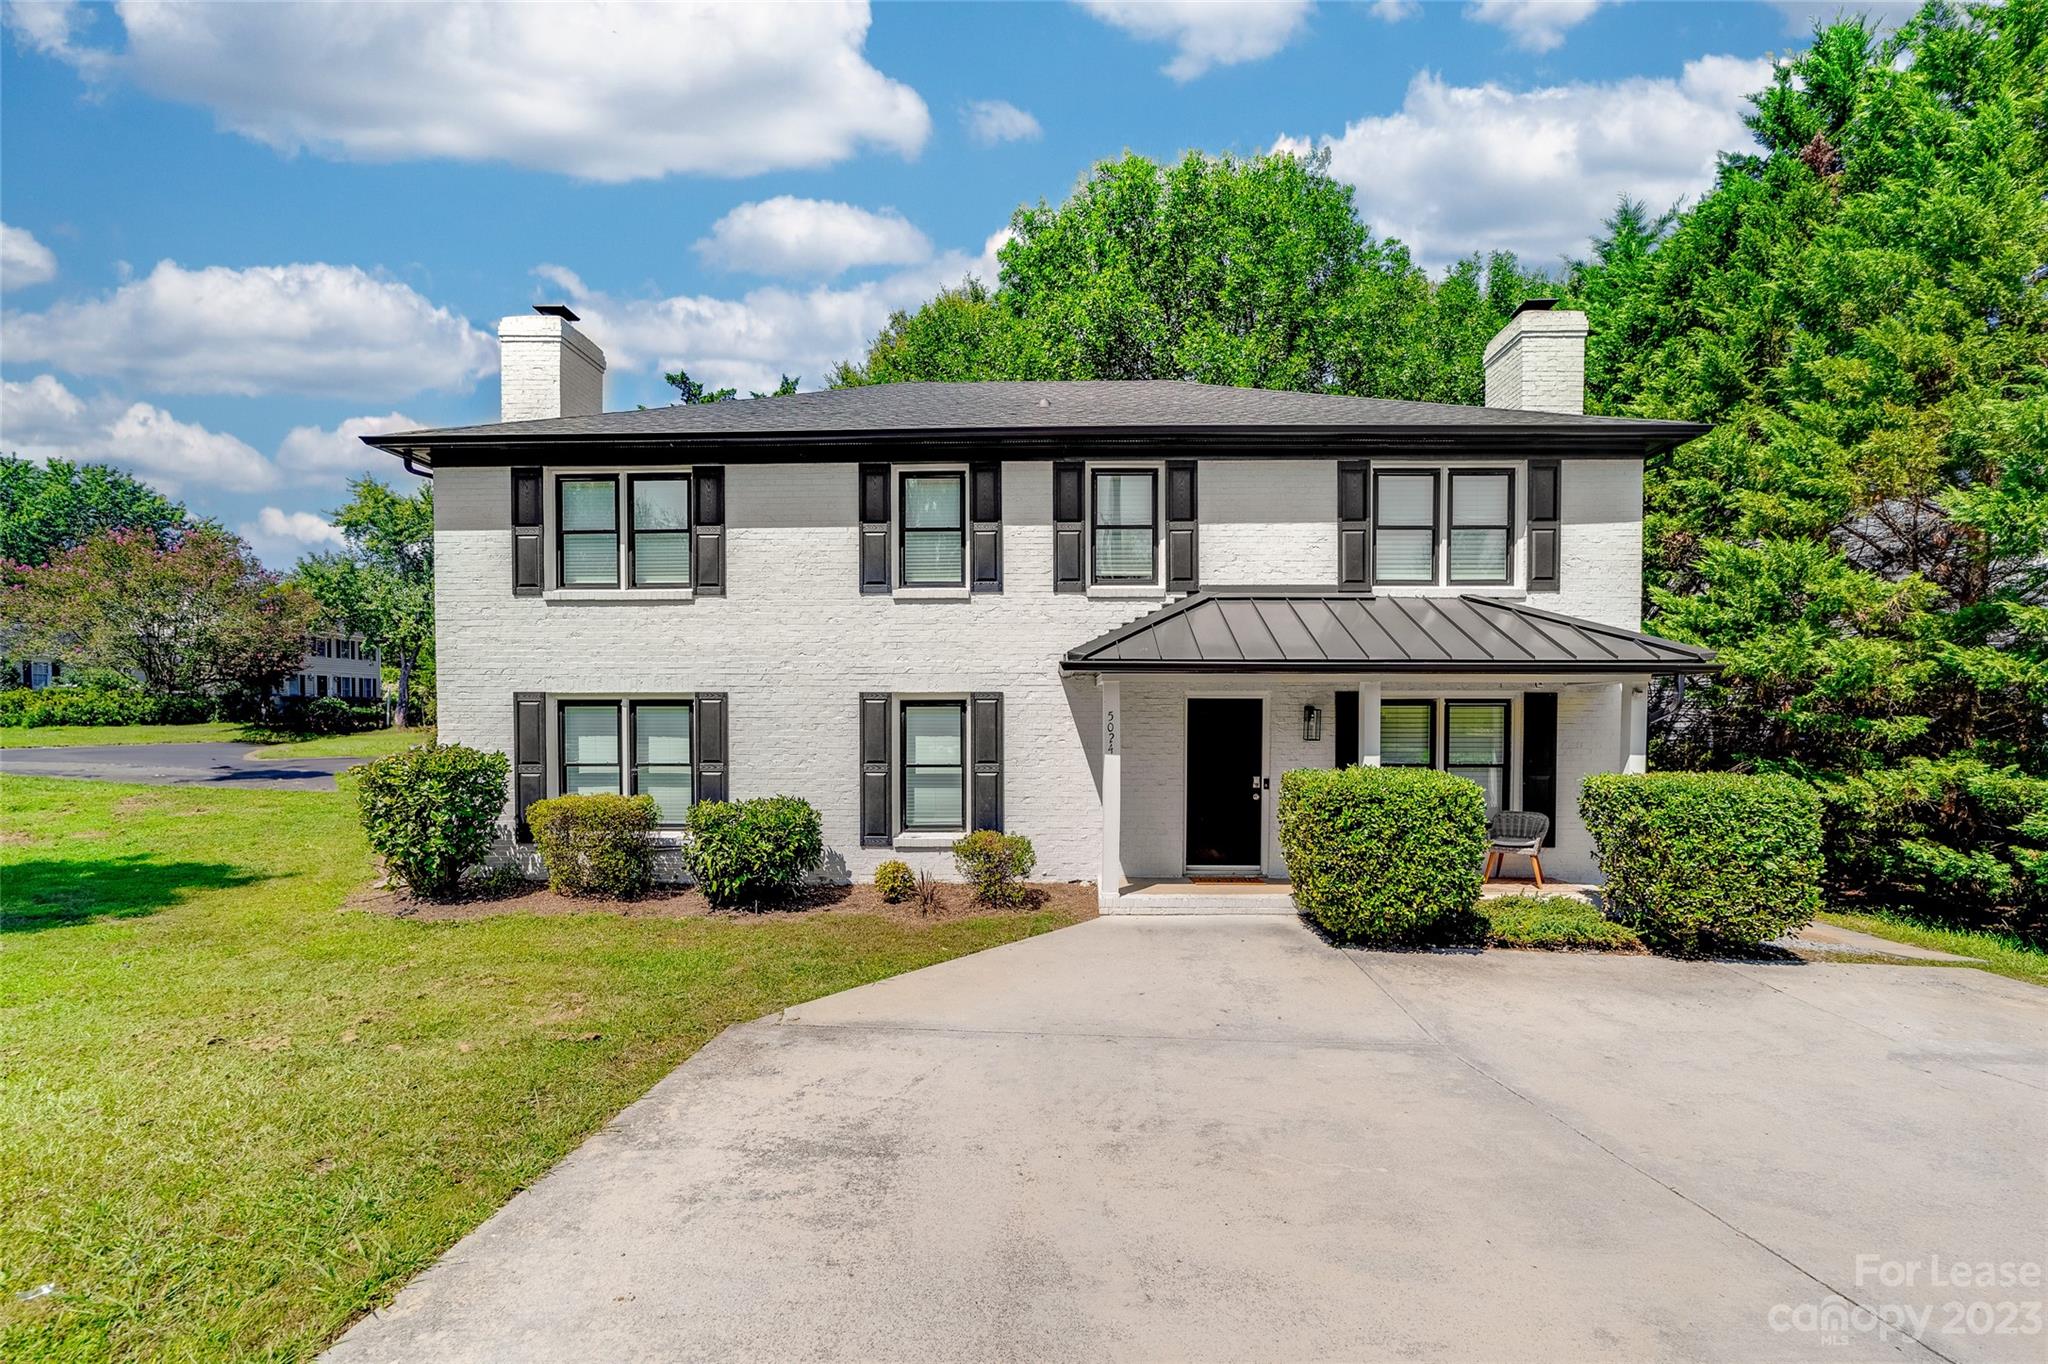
[{"x": 1226, "y": 779}]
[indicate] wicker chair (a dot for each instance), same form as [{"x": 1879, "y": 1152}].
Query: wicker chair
[{"x": 1518, "y": 831}]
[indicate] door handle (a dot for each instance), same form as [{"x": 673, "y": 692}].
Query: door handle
[{"x": 1258, "y": 785}]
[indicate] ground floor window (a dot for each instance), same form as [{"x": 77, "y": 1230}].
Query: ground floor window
[
  {"x": 934, "y": 765},
  {"x": 590, "y": 748},
  {"x": 661, "y": 756},
  {"x": 1470, "y": 741},
  {"x": 597, "y": 736}
]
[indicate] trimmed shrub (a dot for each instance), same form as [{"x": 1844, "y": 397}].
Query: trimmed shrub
[
  {"x": 68, "y": 705},
  {"x": 1382, "y": 854},
  {"x": 1698, "y": 859},
  {"x": 596, "y": 845},
  {"x": 327, "y": 715},
  {"x": 431, "y": 812},
  {"x": 744, "y": 852},
  {"x": 894, "y": 881},
  {"x": 995, "y": 864}
]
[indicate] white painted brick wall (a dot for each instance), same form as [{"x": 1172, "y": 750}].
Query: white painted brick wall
[
  {"x": 794, "y": 643},
  {"x": 547, "y": 368},
  {"x": 1537, "y": 362}
]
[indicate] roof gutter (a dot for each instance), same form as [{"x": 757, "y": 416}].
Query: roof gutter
[{"x": 1601, "y": 667}]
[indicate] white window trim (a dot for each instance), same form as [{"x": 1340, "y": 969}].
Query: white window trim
[
  {"x": 550, "y": 527},
  {"x": 1152, "y": 591},
  {"x": 930, "y": 840},
  {"x": 903, "y": 591},
  {"x": 1517, "y": 584}
]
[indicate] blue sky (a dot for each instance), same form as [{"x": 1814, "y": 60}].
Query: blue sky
[{"x": 236, "y": 236}]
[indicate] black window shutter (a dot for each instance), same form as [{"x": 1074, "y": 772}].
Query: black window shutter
[
  {"x": 1354, "y": 526},
  {"x": 707, "y": 745},
  {"x": 707, "y": 531},
  {"x": 874, "y": 769},
  {"x": 527, "y": 557},
  {"x": 1539, "y": 757},
  {"x": 529, "y": 757},
  {"x": 1347, "y": 729},
  {"x": 1183, "y": 569},
  {"x": 874, "y": 528},
  {"x": 988, "y": 759},
  {"x": 986, "y": 478},
  {"x": 1068, "y": 536},
  {"x": 1545, "y": 504}
]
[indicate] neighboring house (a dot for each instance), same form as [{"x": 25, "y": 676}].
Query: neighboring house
[
  {"x": 334, "y": 665},
  {"x": 1104, "y": 615},
  {"x": 337, "y": 665}
]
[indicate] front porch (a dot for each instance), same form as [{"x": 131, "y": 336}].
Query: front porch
[{"x": 1195, "y": 895}]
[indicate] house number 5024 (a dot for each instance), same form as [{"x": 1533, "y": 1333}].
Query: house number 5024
[{"x": 1109, "y": 731}]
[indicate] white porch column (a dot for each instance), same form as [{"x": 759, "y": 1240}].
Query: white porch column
[
  {"x": 1635, "y": 727},
  {"x": 1368, "y": 724},
  {"x": 1111, "y": 880}
]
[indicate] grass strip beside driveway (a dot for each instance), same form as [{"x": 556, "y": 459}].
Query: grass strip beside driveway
[
  {"x": 234, "y": 1114},
  {"x": 2000, "y": 953}
]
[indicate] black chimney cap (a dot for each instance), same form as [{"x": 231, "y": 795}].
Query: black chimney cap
[
  {"x": 560, "y": 310},
  {"x": 1527, "y": 305}
]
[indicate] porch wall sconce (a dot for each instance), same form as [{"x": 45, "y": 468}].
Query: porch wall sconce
[{"x": 1311, "y": 724}]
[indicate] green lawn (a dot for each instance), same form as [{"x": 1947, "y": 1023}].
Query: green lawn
[
  {"x": 373, "y": 743},
  {"x": 72, "y": 736},
  {"x": 234, "y": 1115},
  {"x": 1999, "y": 953}
]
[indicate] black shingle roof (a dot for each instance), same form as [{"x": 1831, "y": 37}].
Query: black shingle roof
[
  {"x": 1052, "y": 408},
  {"x": 1302, "y": 630}
]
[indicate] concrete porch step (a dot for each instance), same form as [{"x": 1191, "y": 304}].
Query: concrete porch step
[{"x": 1202, "y": 897}]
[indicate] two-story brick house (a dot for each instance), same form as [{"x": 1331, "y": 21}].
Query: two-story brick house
[{"x": 1103, "y": 614}]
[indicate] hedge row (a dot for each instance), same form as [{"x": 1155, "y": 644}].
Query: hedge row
[
  {"x": 24, "y": 708},
  {"x": 1382, "y": 854}
]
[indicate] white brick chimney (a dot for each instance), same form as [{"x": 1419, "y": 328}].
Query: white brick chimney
[
  {"x": 546, "y": 368},
  {"x": 1538, "y": 361}
]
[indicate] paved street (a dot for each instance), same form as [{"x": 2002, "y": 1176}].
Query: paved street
[{"x": 218, "y": 764}]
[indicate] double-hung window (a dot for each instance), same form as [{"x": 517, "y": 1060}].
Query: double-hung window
[
  {"x": 1408, "y": 734},
  {"x": 587, "y": 535},
  {"x": 1481, "y": 525},
  {"x": 1125, "y": 526},
  {"x": 933, "y": 530},
  {"x": 661, "y": 756},
  {"x": 1476, "y": 747},
  {"x": 659, "y": 547},
  {"x": 934, "y": 766},
  {"x": 1404, "y": 534},
  {"x": 590, "y": 748}
]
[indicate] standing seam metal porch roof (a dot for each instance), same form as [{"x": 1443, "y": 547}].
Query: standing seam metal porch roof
[{"x": 1305, "y": 630}]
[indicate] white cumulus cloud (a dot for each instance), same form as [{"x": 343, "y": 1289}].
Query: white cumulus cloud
[
  {"x": 750, "y": 341},
  {"x": 276, "y": 532},
  {"x": 23, "y": 259},
  {"x": 1206, "y": 33},
  {"x": 601, "y": 91},
  {"x": 1482, "y": 167},
  {"x": 335, "y": 454},
  {"x": 41, "y": 419},
  {"x": 309, "y": 328},
  {"x": 991, "y": 121},
  {"x": 818, "y": 237},
  {"x": 1536, "y": 25}
]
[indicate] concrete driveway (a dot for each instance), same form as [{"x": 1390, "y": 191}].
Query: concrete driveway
[
  {"x": 1203, "y": 1138},
  {"x": 223, "y": 764}
]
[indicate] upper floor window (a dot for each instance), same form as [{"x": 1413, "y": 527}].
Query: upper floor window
[
  {"x": 659, "y": 549},
  {"x": 587, "y": 531},
  {"x": 1125, "y": 526},
  {"x": 1404, "y": 534},
  {"x": 933, "y": 530},
  {"x": 1481, "y": 525}
]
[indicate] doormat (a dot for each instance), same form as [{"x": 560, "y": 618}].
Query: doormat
[{"x": 1227, "y": 880}]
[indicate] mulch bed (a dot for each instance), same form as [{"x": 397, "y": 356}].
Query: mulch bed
[{"x": 1075, "y": 899}]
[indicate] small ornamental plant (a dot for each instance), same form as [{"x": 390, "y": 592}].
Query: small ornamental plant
[
  {"x": 596, "y": 845},
  {"x": 431, "y": 812},
  {"x": 996, "y": 864},
  {"x": 749, "y": 852},
  {"x": 894, "y": 882}
]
